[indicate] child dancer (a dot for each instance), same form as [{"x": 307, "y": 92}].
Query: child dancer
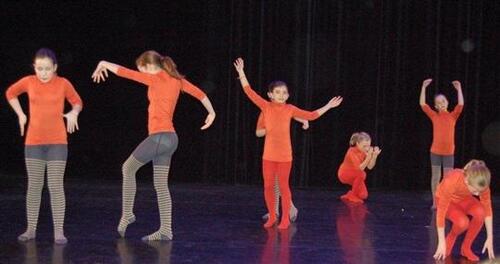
[
  {"x": 277, "y": 157},
  {"x": 455, "y": 201},
  {"x": 261, "y": 132},
  {"x": 46, "y": 145},
  {"x": 164, "y": 83},
  {"x": 360, "y": 155},
  {"x": 443, "y": 132}
]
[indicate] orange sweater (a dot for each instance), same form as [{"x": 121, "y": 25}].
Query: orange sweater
[
  {"x": 163, "y": 92},
  {"x": 260, "y": 122},
  {"x": 453, "y": 189},
  {"x": 353, "y": 159},
  {"x": 46, "y": 106},
  {"x": 277, "y": 117},
  {"x": 443, "y": 127}
]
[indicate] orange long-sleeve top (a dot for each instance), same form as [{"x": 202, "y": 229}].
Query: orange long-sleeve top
[
  {"x": 260, "y": 122},
  {"x": 453, "y": 189},
  {"x": 163, "y": 93},
  {"x": 46, "y": 106},
  {"x": 353, "y": 159},
  {"x": 277, "y": 119},
  {"x": 443, "y": 129}
]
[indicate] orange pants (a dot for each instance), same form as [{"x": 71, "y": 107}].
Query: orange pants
[
  {"x": 355, "y": 178},
  {"x": 270, "y": 169},
  {"x": 458, "y": 214}
]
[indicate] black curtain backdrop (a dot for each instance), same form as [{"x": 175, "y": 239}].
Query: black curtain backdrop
[{"x": 374, "y": 53}]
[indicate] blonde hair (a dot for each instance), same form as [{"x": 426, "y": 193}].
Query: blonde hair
[
  {"x": 358, "y": 137},
  {"x": 164, "y": 62},
  {"x": 477, "y": 173}
]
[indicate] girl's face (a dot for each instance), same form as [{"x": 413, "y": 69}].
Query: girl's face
[
  {"x": 45, "y": 69},
  {"x": 441, "y": 103},
  {"x": 279, "y": 94},
  {"x": 364, "y": 145},
  {"x": 474, "y": 189}
]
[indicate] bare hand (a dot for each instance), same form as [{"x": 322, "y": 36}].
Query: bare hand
[
  {"x": 488, "y": 245},
  {"x": 376, "y": 151},
  {"x": 22, "y": 122},
  {"x": 426, "y": 82},
  {"x": 305, "y": 125},
  {"x": 457, "y": 85},
  {"x": 440, "y": 252},
  {"x": 71, "y": 121},
  {"x": 335, "y": 101},
  {"x": 370, "y": 151},
  {"x": 208, "y": 121},
  {"x": 239, "y": 65},
  {"x": 100, "y": 73}
]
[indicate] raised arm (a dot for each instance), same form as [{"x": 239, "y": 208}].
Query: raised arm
[
  {"x": 252, "y": 95},
  {"x": 460, "y": 95},
  {"x": 425, "y": 83}
]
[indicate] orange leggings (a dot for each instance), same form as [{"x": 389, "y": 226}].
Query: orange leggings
[
  {"x": 270, "y": 169},
  {"x": 458, "y": 214},
  {"x": 355, "y": 178}
]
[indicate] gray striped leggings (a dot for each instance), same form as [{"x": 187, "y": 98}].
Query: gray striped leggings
[
  {"x": 158, "y": 148},
  {"x": 53, "y": 159}
]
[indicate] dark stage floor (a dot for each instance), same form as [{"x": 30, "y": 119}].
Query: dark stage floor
[{"x": 222, "y": 224}]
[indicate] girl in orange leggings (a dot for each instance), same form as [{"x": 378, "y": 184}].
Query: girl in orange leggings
[
  {"x": 352, "y": 170},
  {"x": 277, "y": 157},
  {"x": 260, "y": 131},
  {"x": 455, "y": 200}
]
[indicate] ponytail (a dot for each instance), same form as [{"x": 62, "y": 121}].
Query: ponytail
[
  {"x": 164, "y": 62},
  {"x": 170, "y": 67}
]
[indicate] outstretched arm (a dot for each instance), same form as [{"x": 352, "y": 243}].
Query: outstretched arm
[
  {"x": 425, "y": 83},
  {"x": 101, "y": 71},
  {"x": 313, "y": 115},
  {"x": 334, "y": 102}
]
